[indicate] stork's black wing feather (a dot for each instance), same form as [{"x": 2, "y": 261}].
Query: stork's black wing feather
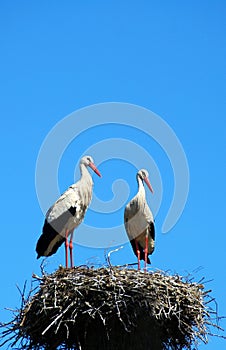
[
  {"x": 152, "y": 230},
  {"x": 67, "y": 201},
  {"x": 49, "y": 233},
  {"x": 51, "y": 230},
  {"x": 61, "y": 221}
]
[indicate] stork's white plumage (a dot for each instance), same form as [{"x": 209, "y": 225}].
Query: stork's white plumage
[
  {"x": 139, "y": 222},
  {"x": 67, "y": 213}
]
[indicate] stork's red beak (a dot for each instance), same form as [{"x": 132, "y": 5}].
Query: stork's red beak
[
  {"x": 94, "y": 168},
  {"x": 148, "y": 184}
]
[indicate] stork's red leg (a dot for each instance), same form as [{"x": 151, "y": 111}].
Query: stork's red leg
[
  {"x": 71, "y": 249},
  {"x": 146, "y": 252},
  {"x": 138, "y": 254},
  {"x": 66, "y": 247}
]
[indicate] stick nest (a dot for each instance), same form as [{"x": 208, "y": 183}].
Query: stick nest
[{"x": 110, "y": 308}]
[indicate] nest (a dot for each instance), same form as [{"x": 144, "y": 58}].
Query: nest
[{"x": 110, "y": 308}]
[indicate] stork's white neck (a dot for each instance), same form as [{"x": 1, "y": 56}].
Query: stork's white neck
[
  {"x": 84, "y": 186},
  {"x": 141, "y": 191},
  {"x": 85, "y": 175},
  {"x": 137, "y": 203}
]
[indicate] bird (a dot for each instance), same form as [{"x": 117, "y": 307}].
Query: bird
[
  {"x": 67, "y": 213},
  {"x": 139, "y": 221}
]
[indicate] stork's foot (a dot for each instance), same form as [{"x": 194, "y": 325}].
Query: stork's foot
[
  {"x": 66, "y": 248},
  {"x": 138, "y": 259},
  {"x": 146, "y": 253},
  {"x": 71, "y": 250},
  {"x": 138, "y": 254}
]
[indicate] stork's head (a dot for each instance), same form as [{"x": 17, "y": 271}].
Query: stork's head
[
  {"x": 88, "y": 161},
  {"x": 143, "y": 175}
]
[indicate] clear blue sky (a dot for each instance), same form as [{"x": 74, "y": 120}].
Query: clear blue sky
[{"x": 167, "y": 56}]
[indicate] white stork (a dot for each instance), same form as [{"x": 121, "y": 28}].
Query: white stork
[
  {"x": 67, "y": 213},
  {"x": 139, "y": 222}
]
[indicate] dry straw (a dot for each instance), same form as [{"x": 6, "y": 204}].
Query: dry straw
[{"x": 111, "y": 308}]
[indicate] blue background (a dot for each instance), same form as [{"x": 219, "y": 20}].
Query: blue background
[{"x": 168, "y": 56}]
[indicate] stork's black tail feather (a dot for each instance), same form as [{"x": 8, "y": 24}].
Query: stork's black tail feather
[{"x": 48, "y": 235}]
